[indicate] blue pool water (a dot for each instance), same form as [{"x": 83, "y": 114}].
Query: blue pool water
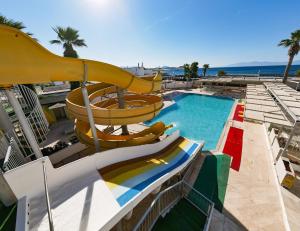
[{"x": 198, "y": 117}]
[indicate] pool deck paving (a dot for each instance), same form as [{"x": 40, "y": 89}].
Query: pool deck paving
[
  {"x": 252, "y": 197},
  {"x": 292, "y": 205}
]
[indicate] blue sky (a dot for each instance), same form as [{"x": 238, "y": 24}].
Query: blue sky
[{"x": 165, "y": 32}]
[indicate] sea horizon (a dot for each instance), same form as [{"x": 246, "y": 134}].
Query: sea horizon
[{"x": 276, "y": 70}]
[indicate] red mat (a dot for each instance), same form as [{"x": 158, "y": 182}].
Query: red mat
[
  {"x": 238, "y": 111},
  {"x": 234, "y": 146}
]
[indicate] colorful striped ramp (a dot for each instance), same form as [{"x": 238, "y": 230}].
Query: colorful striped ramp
[{"x": 126, "y": 179}]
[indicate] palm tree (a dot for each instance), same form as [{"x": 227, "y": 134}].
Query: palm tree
[
  {"x": 293, "y": 44},
  {"x": 12, "y": 23},
  {"x": 194, "y": 69},
  {"x": 187, "y": 71},
  {"x": 205, "y": 68},
  {"x": 221, "y": 73},
  {"x": 69, "y": 38}
]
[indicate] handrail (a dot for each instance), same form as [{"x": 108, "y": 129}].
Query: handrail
[
  {"x": 51, "y": 227},
  {"x": 150, "y": 208},
  {"x": 197, "y": 192},
  {"x": 157, "y": 204},
  {"x": 208, "y": 221}
]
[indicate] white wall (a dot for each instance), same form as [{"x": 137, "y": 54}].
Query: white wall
[
  {"x": 27, "y": 180},
  {"x": 177, "y": 84},
  {"x": 139, "y": 71},
  {"x": 280, "y": 169}
]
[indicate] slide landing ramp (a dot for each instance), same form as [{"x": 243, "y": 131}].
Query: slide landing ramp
[{"x": 127, "y": 179}]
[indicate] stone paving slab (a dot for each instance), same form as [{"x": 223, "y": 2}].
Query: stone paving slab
[{"x": 252, "y": 198}]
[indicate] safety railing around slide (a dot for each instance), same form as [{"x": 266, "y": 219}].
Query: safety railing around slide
[
  {"x": 168, "y": 198},
  {"x": 13, "y": 157},
  {"x": 35, "y": 117},
  {"x": 34, "y": 114}
]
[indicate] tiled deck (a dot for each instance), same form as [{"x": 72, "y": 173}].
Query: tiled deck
[{"x": 252, "y": 197}]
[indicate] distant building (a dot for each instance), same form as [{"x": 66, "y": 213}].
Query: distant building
[{"x": 139, "y": 70}]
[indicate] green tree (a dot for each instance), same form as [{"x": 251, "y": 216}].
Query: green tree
[
  {"x": 221, "y": 73},
  {"x": 187, "y": 71},
  {"x": 205, "y": 68},
  {"x": 298, "y": 73},
  {"x": 15, "y": 24},
  {"x": 9, "y": 22},
  {"x": 194, "y": 70},
  {"x": 69, "y": 38},
  {"x": 293, "y": 44}
]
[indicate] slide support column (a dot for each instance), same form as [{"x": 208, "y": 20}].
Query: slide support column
[
  {"x": 121, "y": 102},
  {"x": 89, "y": 110}
]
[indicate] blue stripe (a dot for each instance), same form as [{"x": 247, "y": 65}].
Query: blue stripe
[
  {"x": 124, "y": 198},
  {"x": 142, "y": 176}
]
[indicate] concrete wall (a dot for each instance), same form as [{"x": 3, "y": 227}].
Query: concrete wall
[
  {"x": 66, "y": 152},
  {"x": 177, "y": 84},
  {"x": 280, "y": 170},
  {"x": 27, "y": 180}
]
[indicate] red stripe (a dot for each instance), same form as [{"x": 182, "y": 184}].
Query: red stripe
[
  {"x": 234, "y": 146},
  {"x": 238, "y": 111}
]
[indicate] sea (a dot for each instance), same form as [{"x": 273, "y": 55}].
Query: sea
[{"x": 252, "y": 70}]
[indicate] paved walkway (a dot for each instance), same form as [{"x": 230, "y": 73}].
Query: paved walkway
[
  {"x": 292, "y": 205},
  {"x": 252, "y": 199}
]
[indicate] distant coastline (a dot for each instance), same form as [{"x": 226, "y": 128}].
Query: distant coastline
[
  {"x": 262, "y": 63},
  {"x": 272, "y": 70}
]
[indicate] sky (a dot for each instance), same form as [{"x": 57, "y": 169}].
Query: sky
[{"x": 164, "y": 32}]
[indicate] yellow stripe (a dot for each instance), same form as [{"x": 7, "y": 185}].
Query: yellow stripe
[
  {"x": 125, "y": 175},
  {"x": 143, "y": 163},
  {"x": 134, "y": 164},
  {"x": 147, "y": 165}
]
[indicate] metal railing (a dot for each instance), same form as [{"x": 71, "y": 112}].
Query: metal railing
[
  {"x": 201, "y": 202},
  {"x": 3, "y": 146},
  {"x": 50, "y": 219},
  {"x": 36, "y": 117},
  {"x": 34, "y": 114},
  {"x": 168, "y": 198},
  {"x": 13, "y": 157}
]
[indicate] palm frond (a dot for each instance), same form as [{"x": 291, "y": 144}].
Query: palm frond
[
  {"x": 69, "y": 37},
  {"x": 60, "y": 32},
  {"x": 55, "y": 41},
  {"x": 79, "y": 43},
  {"x": 11, "y": 23},
  {"x": 285, "y": 42},
  {"x": 295, "y": 36}
]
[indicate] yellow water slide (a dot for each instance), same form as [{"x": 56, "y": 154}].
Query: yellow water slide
[{"x": 23, "y": 61}]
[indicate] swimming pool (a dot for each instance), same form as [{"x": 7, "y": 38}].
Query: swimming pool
[{"x": 198, "y": 117}]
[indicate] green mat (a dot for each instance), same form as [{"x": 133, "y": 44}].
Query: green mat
[
  {"x": 183, "y": 216},
  {"x": 213, "y": 177},
  {"x": 7, "y": 217}
]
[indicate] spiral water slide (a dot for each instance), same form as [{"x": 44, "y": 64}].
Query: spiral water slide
[{"x": 24, "y": 61}]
